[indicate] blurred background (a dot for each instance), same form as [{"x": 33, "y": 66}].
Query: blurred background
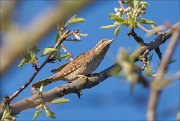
[{"x": 24, "y": 23}]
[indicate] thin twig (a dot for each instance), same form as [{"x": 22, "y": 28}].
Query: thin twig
[
  {"x": 67, "y": 52},
  {"x": 155, "y": 92},
  {"x": 138, "y": 39},
  {"x": 121, "y": 4},
  {"x": 158, "y": 51},
  {"x": 143, "y": 28}
]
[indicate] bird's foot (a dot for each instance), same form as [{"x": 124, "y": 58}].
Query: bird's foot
[
  {"x": 83, "y": 79},
  {"x": 37, "y": 94}
]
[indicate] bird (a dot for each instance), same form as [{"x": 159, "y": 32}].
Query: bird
[{"x": 84, "y": 64}]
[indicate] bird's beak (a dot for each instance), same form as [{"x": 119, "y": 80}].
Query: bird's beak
[{"x": 110, "y": 41}]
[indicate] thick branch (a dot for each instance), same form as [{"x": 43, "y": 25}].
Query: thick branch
[{"x": 60, "y": 91}]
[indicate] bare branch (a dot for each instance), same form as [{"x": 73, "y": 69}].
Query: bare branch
[
  {"x": 143, "y": 28},
  {"x": 155, "y": 91},
  {"x": 158, "y": 51},
  {"x": 138, "y": 39},
  {"x": 60, "y": 91},
  {"x": 121, "y": 4}
]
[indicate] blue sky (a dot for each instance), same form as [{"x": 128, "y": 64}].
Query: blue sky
[{"x": 110, "y": 100}]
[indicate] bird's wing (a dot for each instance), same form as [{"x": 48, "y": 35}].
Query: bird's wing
[
  {"x": 59, "y": 68},
  {"x": 74, "y": 63}
]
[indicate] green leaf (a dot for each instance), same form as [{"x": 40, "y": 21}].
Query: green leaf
[
  {"x": 60, "y": 100},
  {"x": 34, "y": 59},
  {"x": 116, "y": 31},
  {"x": 49, "y": 113},
  {"x": 146, "y": 21},
  {"x": 149, "y": 59},
  {"x": 136, "y": 3},
  {"x": 36, "y": 114},
  {"x": 117, "y": 18},
  {"x": 64, "y": 57},
  {"x": 178, "y": 116},
  {"x": 27, "y": 55},
  {"x": 144, "y": 3},
  {"x": 74, "y": 20},
  {"x": 6, "y": 113},
  {"x": 57, "y": 37},
  {"x": 35, "y": 49},
  {"x": 83, "y": 35},
  {"x": 77, "y": 37},
  {"x": 41, "y": 88},
  {"x": 148, "y": 71},
  {"x": 48, "y": 51},
  {"x": 72, "y": 39},
  {"x": 108, "y": 26},
  {"x": 172, "y": 61},
  {"x": 131, "y": 22},
  {"x": 23, "y": 62}
]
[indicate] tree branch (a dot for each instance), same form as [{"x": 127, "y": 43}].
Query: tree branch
[
  {"x": 78, "y": 85},
  {"x": 138, "y": 39},
  {"x": 155, "y": 90}
]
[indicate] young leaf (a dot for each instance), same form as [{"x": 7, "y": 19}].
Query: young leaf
[
  {"x": 75, "y": 20},
  {"x": 49, "y": 113},
  {"x": 116, "y": 31},
  {"x": 72, "y": 39},
  {"x": 27, "y": 55},
  {"x": 172, "y": 61},
  {"x": 148, "y": 71},
  {"x": 77, "y": 36},
  {"x": 35, "y": 49},
  {"x": 83, "y": 35},
  {"x": 108, "y": 26},
  {"x": 60, "y": 100},
  {"x": 144, "y": 3},
  {"x": 34, "y": 59},
  {"x": 23, "y": 62},
  {"x": 131, "y": 22},
  {"x": 117, "y": 18},
  {"x": 57, "y": 37},
  {"x": 6, "y": 113},
  {"x": 36, "y": 114},
  {"x": 149, "y": 59},
  {"x": 146, "y": 21},
  {"x": 41, "y": 88},
  {"x": 48, "y": 51}
]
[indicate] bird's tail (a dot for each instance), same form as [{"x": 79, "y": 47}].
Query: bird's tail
[{"x": 44, "y": 82}]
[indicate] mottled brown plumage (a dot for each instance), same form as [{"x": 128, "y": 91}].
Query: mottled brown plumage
[{"x": 84, "y": 64}]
